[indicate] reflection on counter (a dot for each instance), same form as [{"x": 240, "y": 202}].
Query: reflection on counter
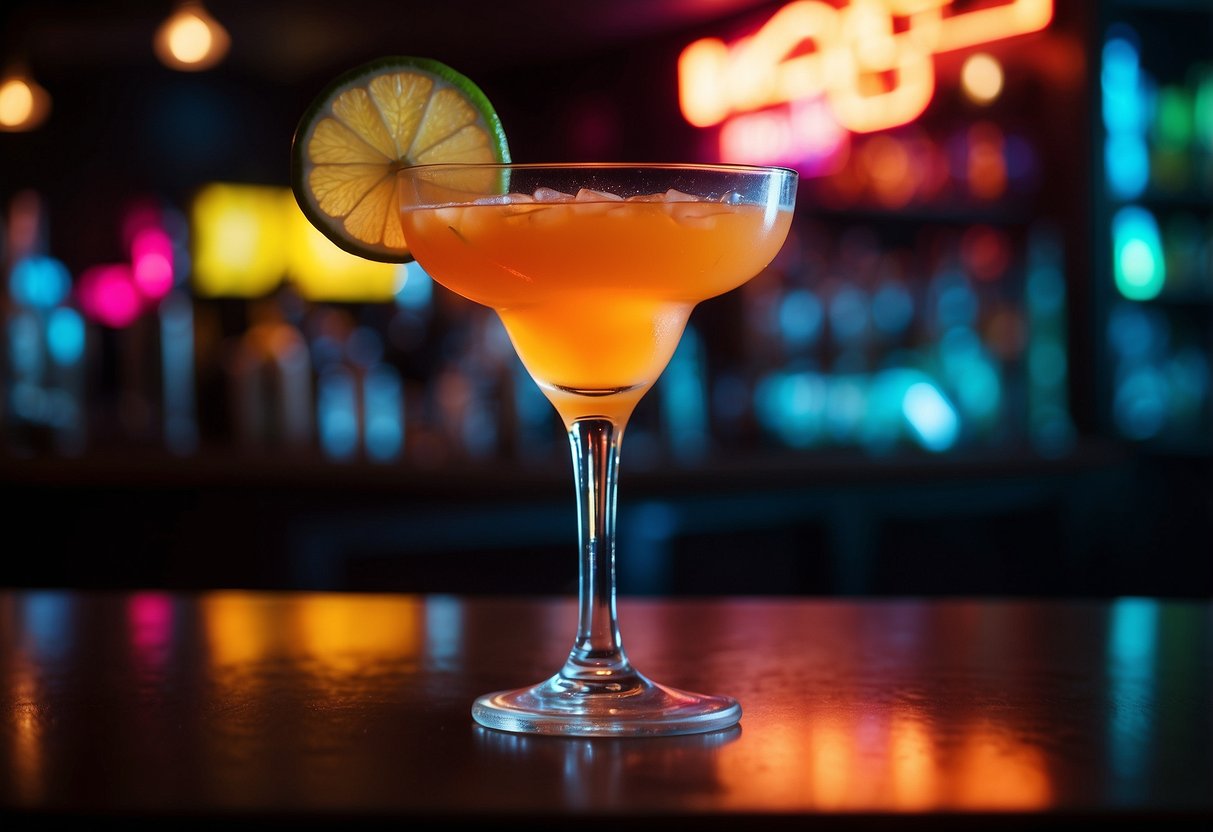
[
  {"x": 325, "y": 633},
  {"x": 880, "y": 725}
]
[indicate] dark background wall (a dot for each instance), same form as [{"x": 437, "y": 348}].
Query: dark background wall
[{"x": 1102, "y": 514}]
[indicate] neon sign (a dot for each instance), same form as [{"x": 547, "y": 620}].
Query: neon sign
[{"x": 871, "y": 60}]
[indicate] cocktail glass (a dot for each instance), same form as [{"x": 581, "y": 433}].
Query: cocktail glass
[{"x": 594, "y": 270}]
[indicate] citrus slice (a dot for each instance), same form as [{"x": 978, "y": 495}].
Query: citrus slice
[{"x": 368, "y": 124}]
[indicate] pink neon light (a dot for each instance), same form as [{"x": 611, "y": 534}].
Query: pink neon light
[
  {"x": 152, "y": 262},
  {"x": 803, "y": 133},
  {"x": 150, "y": 617},
  {"x": 108, "y": 295}
]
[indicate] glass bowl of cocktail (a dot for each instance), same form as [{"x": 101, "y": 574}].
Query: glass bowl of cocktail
[{"x": 594, "y": 270}]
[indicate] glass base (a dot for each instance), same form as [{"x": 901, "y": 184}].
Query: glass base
[{"x": 637, "y": 708}]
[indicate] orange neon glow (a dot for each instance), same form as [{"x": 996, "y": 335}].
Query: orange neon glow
[
  {"x": 987, "y": 166},
  {"x": 832, "y": 763},
  {"x": 996, "y": 770},
  {"x": 344, "y": 636},
  {"x": 915, "y": 779},
  {"x": 328, "y": 631},
  {"x": 240, "y": 629},
  {"x": 892, "y": 174},
  {"x": 872, "y": 59},
  {"x": 846, "y": 756},
  {"x": 27, "y": 743}
]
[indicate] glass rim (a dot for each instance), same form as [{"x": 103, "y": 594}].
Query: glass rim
[{"x": 694, "y": 167}]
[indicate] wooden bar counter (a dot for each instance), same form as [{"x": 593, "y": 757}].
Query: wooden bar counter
[{"x": 312, "y": 709}]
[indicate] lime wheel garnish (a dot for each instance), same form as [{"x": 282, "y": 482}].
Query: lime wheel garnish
[{"x": 373, "y": 121}]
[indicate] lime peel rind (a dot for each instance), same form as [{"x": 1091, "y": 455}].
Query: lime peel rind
[{"x": 341, "y": 172}]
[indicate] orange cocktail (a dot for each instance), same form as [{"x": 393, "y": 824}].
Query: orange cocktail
[
  {"x": 594, "y": 268},
  {"x": 594, "y": 289}
]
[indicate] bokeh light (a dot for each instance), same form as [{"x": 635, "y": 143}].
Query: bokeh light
[
  {"x": 109, "y": 296},
  {"x": 152, "y": 262},
  {"x": 1138, "y": 265},
  {"x": 981, "y": 78},
  {"x": 39, "y": 281},
  {"x": 65, "y": 336},
  {"x": 24, "y": 104},
  {"x": 191, "y": 39},
  {"x": 931, "y": 416}
]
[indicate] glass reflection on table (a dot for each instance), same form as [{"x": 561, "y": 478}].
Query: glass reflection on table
[{"x": 889, "y": 707}]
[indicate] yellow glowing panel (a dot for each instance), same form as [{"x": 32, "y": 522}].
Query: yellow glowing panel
[
  {"x": 321, "y": 271},
  {"x": 248, "y": 239},
  {"x": 240, "y": 240}
]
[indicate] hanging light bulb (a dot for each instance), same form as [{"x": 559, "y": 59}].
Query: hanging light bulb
[
  {"x": 24, "y": 104},
  {"x": 190, "y": 39}
]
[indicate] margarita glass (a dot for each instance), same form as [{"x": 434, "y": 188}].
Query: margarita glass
[{"x": 594, "y": 270}]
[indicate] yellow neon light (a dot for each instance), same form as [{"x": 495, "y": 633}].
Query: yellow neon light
[
  {"x": 321, "y": 271},
  {"x": 248, "y": 239},
  {"x": 240, "y": 247},
  {"x": 871, "y": 59}
]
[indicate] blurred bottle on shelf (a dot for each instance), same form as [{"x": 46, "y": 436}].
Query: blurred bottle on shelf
[
  {"x": 270, "y": 375},
  {"x": 1155, "y": 232},
  {"x": 45, "y": 340}
]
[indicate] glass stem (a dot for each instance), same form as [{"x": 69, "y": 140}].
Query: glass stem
[{"x": 597, "y": 656}]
